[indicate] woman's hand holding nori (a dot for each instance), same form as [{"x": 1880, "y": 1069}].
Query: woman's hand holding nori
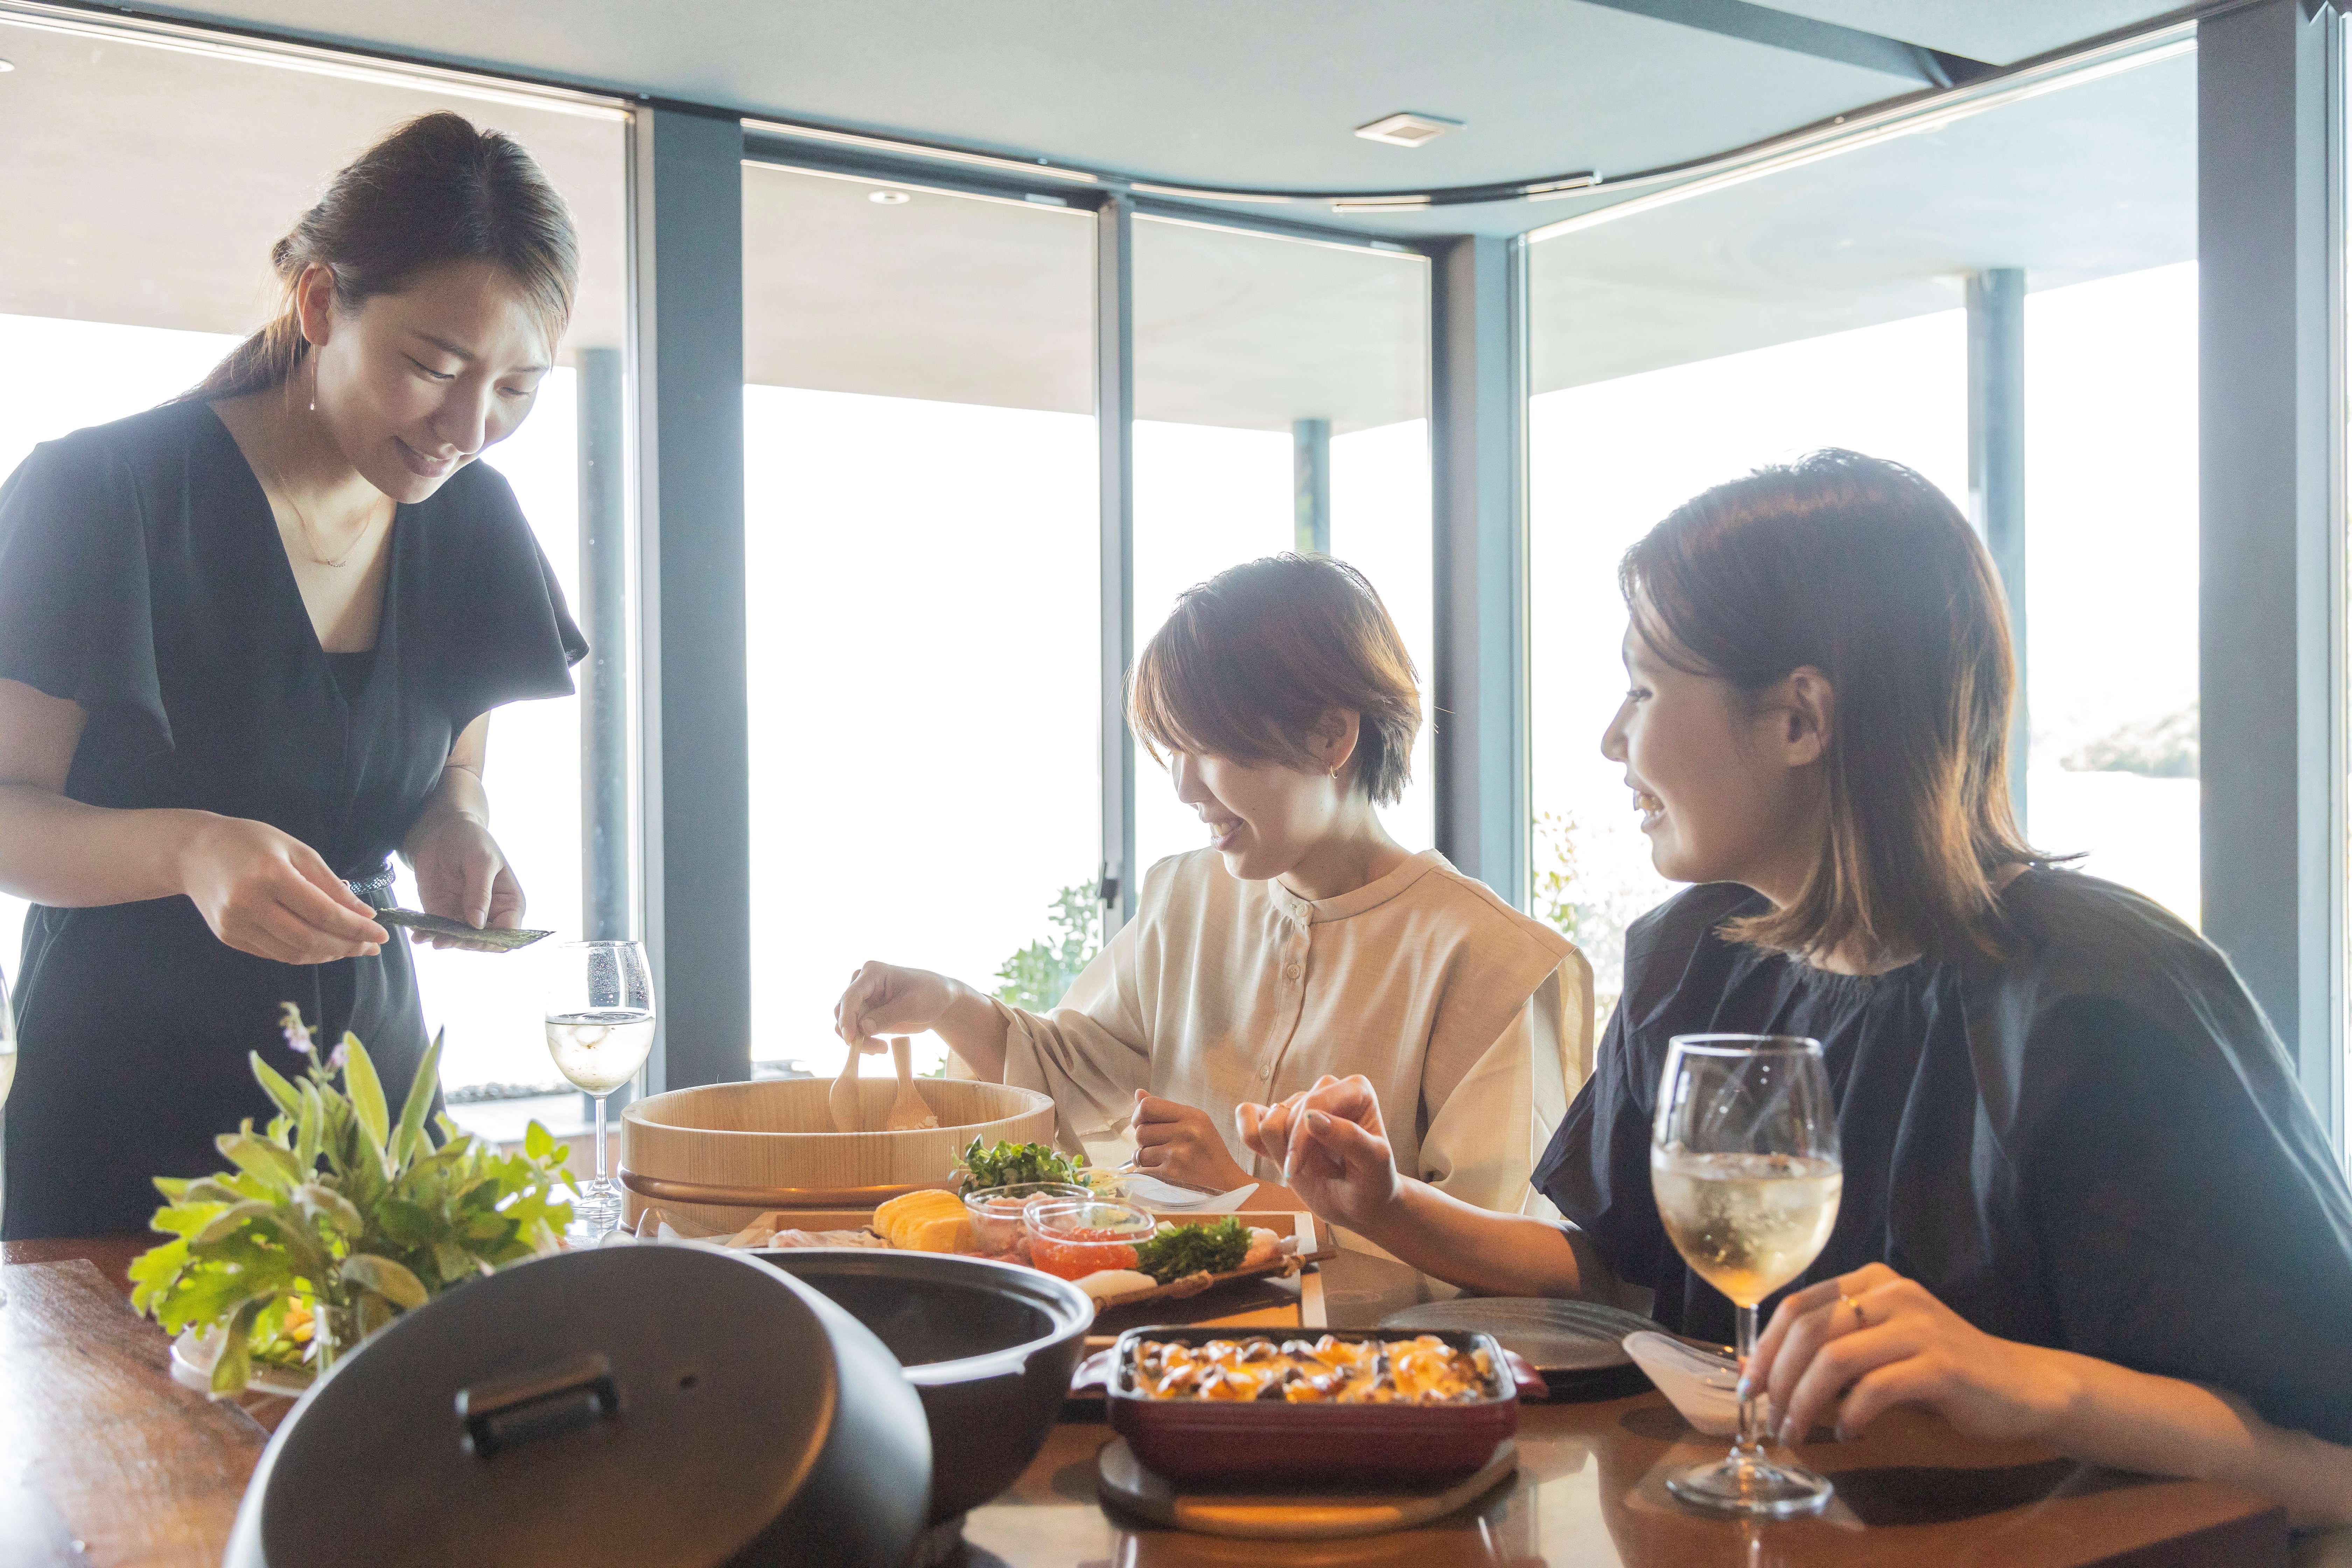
[{"x": 267, "y": 893}]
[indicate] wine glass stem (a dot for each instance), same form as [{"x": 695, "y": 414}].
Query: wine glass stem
[
  {"x": 599, "y": 1142},
  {"x": 1751, "y": 1407}
]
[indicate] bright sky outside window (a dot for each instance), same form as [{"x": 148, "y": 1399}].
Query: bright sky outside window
[{"x": 921, "y": 543}]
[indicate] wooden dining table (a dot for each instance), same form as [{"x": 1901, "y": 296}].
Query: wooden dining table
[{"x": 105, "y": 1460}]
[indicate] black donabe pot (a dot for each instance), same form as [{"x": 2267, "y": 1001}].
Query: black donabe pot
[
  {"x": 645, "y": 1406},
  {"x": 989, "y": 1346}
]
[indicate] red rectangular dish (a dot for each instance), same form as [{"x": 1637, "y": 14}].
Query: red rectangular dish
[{"x": 1276, "y": 1442}]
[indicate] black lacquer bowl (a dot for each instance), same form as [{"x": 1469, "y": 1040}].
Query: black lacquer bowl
[{"x": 989, "y": 1347}]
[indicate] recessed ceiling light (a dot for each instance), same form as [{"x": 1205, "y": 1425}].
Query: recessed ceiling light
[
  {"x": 1407, "y": 129},
  {"x": 886, "y": 199}
]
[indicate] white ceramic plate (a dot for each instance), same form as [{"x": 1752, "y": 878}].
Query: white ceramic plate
[{"x": 192, "y": 1355}]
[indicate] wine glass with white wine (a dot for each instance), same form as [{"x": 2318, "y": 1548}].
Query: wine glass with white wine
[
  {"x": 600, "y": 1024},
  {"x": 1744, "y": 1165}
]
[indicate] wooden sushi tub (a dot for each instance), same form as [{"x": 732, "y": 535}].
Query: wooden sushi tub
[{"x": 720, "y": 1156}]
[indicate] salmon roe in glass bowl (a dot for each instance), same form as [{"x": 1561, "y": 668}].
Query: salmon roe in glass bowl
[{"x": 1074, "y": 1240}]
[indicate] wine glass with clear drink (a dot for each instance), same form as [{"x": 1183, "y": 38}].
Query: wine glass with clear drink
[
  {"x": 600, "y": 1024},
  {"x": 1744, "y": 1165}
]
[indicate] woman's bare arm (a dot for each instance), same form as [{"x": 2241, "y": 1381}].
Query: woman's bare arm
[
  {"x": 261, "y": 891},
  {"x": 1335, "y": 1153},
  {"x": 888, "y": 999}
]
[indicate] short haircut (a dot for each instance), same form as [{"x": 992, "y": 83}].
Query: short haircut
[
  {"x": 1861, "y": 568},
  {"x": 1252, "y": 659}
]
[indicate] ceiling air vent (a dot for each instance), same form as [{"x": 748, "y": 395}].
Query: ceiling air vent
[{"x": 1407, "y": 129}]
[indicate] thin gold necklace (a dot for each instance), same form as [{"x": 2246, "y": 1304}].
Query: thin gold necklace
[{"x": 310, "y": 538}]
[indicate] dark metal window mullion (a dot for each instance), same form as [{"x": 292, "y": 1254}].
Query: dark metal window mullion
[{"x": 1115, "y": 431}]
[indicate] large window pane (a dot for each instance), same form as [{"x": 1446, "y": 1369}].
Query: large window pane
[
  {"x": 144, "y": 188},
  {"x": 922, "y": 572},
  {"x": 1246, "y": 345},
  {"x": 1823, "y": 306}
]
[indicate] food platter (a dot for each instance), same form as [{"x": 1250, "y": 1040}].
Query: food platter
[
  {"x": 1577, "y": 1346},
  {"x": 1311, "y": 1241}
]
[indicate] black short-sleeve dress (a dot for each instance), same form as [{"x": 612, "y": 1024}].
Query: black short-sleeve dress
[
  {"x": 141, "y": 575},
  {"x": 2098, "y": 1146}
]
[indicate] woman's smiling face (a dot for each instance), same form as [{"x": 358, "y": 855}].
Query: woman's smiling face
[
  {"x": 1262, "y": 818},
  {"x": 1712, "y": 777},
  {"x": 415, "y": 385}
]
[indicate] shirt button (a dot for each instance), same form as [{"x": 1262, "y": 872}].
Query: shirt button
[
  {"x": 1265, "y": 1073},
  {"x": 1290, "y": 971}
]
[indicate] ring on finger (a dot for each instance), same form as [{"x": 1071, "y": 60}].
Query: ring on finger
[{"x": 1861, "y": 1318}]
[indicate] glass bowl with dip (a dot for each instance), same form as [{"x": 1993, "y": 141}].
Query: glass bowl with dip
[{"x": 996, "y": 1211}]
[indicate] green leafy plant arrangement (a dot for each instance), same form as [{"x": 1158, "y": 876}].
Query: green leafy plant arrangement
[{"x": 335, "y": 1220}]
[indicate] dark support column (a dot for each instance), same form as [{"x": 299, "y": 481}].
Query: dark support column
[
  {"x": 1478, "y": 413},
  {"x": 1115, "y": 424},
  {"x": 1310, "y": 472},
  {"x": 603, "y": 677},
  {"x": 687, "y": 194},
  {"x": 2269, "y": 642},
  {"x": 1996, "y": 302},
  {"x": 605, "y": 906}
]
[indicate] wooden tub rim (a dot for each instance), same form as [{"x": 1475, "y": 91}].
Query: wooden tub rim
[{"x": 632, "y": 1112}]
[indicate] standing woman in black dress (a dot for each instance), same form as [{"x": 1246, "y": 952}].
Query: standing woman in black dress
[{"x": 249, "y": 642}]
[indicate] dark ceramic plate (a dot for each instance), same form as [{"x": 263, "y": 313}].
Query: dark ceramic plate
[{"x": 1579, "y": 1346}]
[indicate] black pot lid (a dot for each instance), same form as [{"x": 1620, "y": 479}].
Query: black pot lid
[{"x": 632, "y": 1405}]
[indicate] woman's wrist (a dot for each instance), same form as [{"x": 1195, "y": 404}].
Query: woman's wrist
[{"x": 187, "y": 839}]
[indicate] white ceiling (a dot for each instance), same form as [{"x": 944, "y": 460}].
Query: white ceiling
[
  {"x": 143, "y": 185},
  {"x": 2096, "y": 179},
  {"x": 1221, "y": 92}
]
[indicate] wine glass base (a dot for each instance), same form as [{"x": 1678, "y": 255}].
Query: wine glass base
[
  {"x": 595, "y": 1209},
  {"x": 1753, "y": 1487}
]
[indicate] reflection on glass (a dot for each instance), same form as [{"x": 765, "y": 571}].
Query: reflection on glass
[
  {"x": 1248, "y": 346},
  {"x": 135, "y": 252},
  {"x": 922, "y": 548}
]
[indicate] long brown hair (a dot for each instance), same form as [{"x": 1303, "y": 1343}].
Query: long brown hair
[
  {"x": 1864, "y": 571},
  {"x": 1253, "y": 658},
  {"x": 434, "y": 190}
]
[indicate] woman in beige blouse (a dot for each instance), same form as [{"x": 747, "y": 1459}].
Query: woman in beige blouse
[{"x": 1303, "y": 941}]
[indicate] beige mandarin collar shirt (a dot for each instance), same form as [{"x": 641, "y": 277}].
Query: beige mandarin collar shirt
[{"x": 1473, "y": 1021}]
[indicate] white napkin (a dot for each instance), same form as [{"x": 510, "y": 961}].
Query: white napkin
[
  {"x": 1700, "y": 1384},
  {"x": 1154, "y": 1194}
]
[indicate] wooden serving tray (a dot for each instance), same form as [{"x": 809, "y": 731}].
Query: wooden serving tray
[{"x": 1314, "y": 1239}]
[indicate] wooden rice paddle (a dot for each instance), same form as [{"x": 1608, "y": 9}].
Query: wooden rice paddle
[
  {"x": 911, "y": 1112},
  {"x": 842, "y": 1099}
]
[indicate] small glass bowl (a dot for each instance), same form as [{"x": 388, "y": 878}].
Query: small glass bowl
[
  {"x": 1078, "y": 1238},
  {"x": 996, "y": 1211}
]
